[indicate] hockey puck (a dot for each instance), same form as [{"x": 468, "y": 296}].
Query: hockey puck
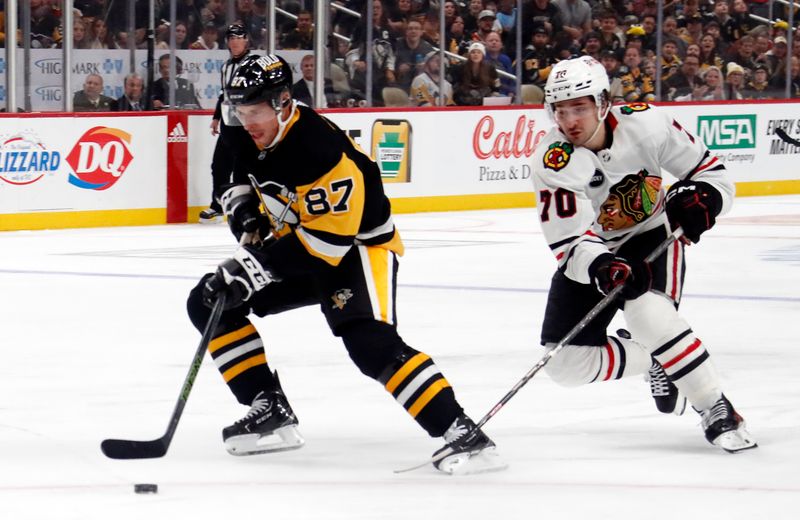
[{"x": 144, "y": 489}]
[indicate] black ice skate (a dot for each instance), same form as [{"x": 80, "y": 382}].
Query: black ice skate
[
  {"x": 725, "y": 428},
  {"x": 210, "y": 216},
  {"x": 666, "y": 395},
  {"x": 471, "y": 451},
  {"x": 270, "y": 425}
]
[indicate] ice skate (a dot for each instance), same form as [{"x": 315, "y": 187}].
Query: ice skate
[
  {"x": 725, "y": 428},
  {"x": 270, "y": 425},
  {"x": 210, "y": 216},
  {"x": 666, "y": 395},
  {"x": 471, "y": 450}
]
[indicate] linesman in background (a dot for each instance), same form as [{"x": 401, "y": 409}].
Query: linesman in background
[
  {"x": 334, "y": 245},
  {"x": 223, "y": 161}
]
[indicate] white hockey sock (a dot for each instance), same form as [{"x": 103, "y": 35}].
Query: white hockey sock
[
  {"x": 688, "y": 365},
  {"x": 579, "y": 365}
]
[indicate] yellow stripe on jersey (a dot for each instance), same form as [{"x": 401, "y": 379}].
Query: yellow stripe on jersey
[
  {"x": 406, "y": 369},
  {"x": 427, "y": 396},
  {"x": 260, "y": 359},
  {"x": 227, "y": 339},
  {"x": 379, "y": 265}
]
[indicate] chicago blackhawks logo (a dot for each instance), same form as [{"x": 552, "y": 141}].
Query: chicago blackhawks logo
[
  {"x": 631, "y": 108},
  {"x": 340, "y": 298},
  {"x": 557, "y": 155},
  {"x": 630, "y": 201}
]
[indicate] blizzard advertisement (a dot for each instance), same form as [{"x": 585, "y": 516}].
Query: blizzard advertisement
[{"x": 65, "y": 164}]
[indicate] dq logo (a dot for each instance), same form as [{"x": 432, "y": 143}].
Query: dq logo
[{"x": 99, "y": 158}]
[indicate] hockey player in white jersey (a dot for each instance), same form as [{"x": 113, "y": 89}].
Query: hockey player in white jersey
[{"x": 603, "y": 209}]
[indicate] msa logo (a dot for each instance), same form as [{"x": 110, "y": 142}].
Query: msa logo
[
  {"x": 724, "y": 132},
  {"x": 177, "y": 134}
]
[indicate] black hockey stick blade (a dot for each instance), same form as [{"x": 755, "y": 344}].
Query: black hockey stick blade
[
  {"x": 127, "y": 449},
  {"x": 780, "y": 132}
]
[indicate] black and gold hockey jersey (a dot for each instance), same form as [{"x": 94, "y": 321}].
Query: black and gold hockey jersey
[{"x": 324, "y": 193}]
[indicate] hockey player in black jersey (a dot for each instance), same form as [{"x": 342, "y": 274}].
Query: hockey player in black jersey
[
  {"x": 332, "y": 244},
  {"x": 223, "y": 161},
  {"x": 603, "y": 209}
]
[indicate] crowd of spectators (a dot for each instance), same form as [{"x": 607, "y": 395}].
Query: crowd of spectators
[{"x": 710, "y": 49}]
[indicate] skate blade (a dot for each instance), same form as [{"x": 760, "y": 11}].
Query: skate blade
[
  {"x": 283, "y": 439},
  {"x": 680, "y": 406},
  {"x": 736, "y": 440},
  {"x": 214, "y": 220},
  {"x": 484, "y": 461}
]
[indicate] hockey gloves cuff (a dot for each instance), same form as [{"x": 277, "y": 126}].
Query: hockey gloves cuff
[
  {"x": 239, "y": 278},
  {"x": 241, "y": 206},
  {"x": 608, "y": 271},
  {"x": 694, "y": 207}
]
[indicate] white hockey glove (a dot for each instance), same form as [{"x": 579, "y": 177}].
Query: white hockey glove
[{"x": 239, "y": 278}]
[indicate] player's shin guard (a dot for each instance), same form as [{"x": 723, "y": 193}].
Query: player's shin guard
[
  {"x": 239, "y": 355},
  {"x": 579, "y": 365},
  {"x": 416, "y": 383}
]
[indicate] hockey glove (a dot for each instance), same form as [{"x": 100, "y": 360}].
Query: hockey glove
[
  {"x": 239, "y": 278},
  {"x": 241, "y": 207},
  {"x": 608, "y": 271},
  {"x": 694, "y": 207}
]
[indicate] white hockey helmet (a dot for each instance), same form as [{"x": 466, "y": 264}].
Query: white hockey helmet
[{"x": 575, "y": 78}]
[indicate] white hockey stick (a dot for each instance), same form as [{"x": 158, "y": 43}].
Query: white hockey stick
[{"x": 592, "y": 314}]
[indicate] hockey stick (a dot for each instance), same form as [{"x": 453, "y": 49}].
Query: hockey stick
[
  {"x": 592, "y": 314},
  {"x": 780, "y": 132},
  {"x": 126, "y": 449}
]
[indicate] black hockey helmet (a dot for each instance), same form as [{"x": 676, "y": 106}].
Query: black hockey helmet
[
  {"x": 260, "y": 79},
  {"x": 236, "y": 30}
]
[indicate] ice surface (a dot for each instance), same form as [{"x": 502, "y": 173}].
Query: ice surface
[{"x": 95, "y": 343}]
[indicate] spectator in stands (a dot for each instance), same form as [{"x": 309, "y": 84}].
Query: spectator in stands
[
  {"x": 758, "y": 87},
  {"x": 207, "y": 39},
  {"x": 43, "y": 24},
  {"x": 712, "y": 28},
  {"x": 133, "y": 98},
  {"x": 190, "y": 16},
  {"x": 734, "y": 82},
  {"x": 708, "y": 52},
  {"x": 634, "y": 37},
  {"x": 611, "y": 62},
  {"x": 474, "y": 9},
  {"x": 474, "y": 79},
  {"x": 542, "y": 13},
  {"x": 649, "y": 38},
  {"x": 745, "y": 55},
  {"x": 430, "y": 26},
  {"x": 91, "y": 98},
  {"x": 779, "y": 83},
  {"x": 592, "y": 45},
  {"x": 457, "y": 41},
  {"x": 775, "y": 58},
  {"x": 486, "y": 25},
  {"x": 303, "y": 89},
  {"x": 709, "y": 88},
  {"x": 425, "y": 87},
  {"x": 185, "y": 96},
  {"x": 507, "y": 19},
  {"x": 684, "y": 80},
  {"x": 636, "y": 86},
  {"x": 694, "y": 29},
  {"x": 102, "y": 38},
  {"x": 214, "y": 12},
  {"x": 410, "y": 53},
  {"x": 610, "y": 37},
  {"x": 721, "y": 15},
  {"x": 383, "y": 65},
  {"x": 79, "y": 39},
  {"x": 500, "y": 61},
  {"x": 399, "y": 16},
  {"x": 450, "y": 12},
  {"x": 538, "y": 58},
  {"x": 302, "y": 36},
  {"x": 670, "y": 62},
  {"x": 577, "y": 17},
  {"x": 670, "y": 33}
]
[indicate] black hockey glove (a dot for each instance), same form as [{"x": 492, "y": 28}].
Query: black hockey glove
[
  {"x": 241, "y": 206},
  {"x": 693, "y": 206},
  {"x": 239, "y": 278},
  {"x": 608, "y": 271}
]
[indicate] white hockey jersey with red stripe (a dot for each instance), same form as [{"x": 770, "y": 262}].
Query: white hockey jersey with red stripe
[{"x": 590, "y": 202}]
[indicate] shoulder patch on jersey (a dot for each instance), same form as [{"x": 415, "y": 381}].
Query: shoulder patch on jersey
[
  {"x": 558, "y": 155},
  {"x": 632, "y": 108},
  {"x": 630, "y": 201}
]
